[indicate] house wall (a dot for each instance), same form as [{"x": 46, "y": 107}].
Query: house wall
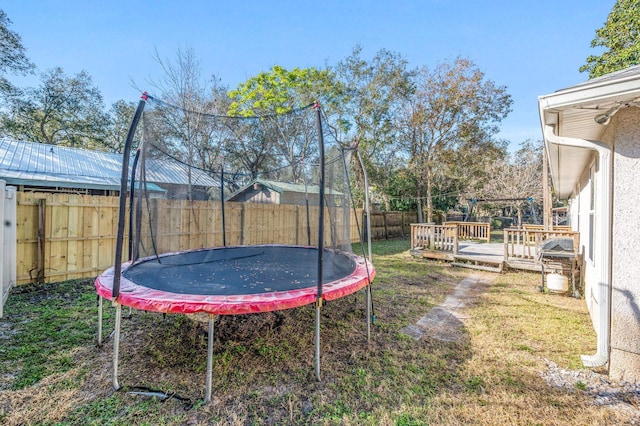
[
  {"x": 625, "y": 297},
  {"x": 581, "y": 214},
  {"x": 261, "y": 195}
]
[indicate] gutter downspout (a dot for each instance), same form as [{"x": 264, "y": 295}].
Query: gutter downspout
[{"x": 605, "y": 162}]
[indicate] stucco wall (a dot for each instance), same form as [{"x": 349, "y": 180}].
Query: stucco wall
[
  {"x": 579, "y": 213},
  {"x": 625, "y": 297}
]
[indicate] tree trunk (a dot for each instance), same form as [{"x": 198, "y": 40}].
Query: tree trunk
[
  {"x": 419, "y": 204},
  {"x": 519, "y": 217},
  {"x": 429, "y": 199}
]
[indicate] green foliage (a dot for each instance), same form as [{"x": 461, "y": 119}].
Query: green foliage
[
  {"x": 13, "y": 58},
  {"x": 279, "y": 91},
  {"x": 371, "y": 97},
  {"x": 121, "y": 114},
  {"x": 620, "y": 37},
  {"x": 63, "y": 110}
]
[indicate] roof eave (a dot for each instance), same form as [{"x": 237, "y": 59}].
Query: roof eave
[{"x": 571, "y": 112}]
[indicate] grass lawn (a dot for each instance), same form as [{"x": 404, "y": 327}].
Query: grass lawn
[{"x": 52, "y": 372}]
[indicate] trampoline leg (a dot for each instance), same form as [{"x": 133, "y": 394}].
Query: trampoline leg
[
  {"x": 116, "y": 345},
  {"x": 99, "y": 320},
  {"x": 318, "y": 306},
  {"x": 212, "y": 320},
  {"x": 368, "y": 313}
]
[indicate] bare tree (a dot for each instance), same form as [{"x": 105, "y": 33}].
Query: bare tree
[
  {"x": 517, "y": 177},
  {"x": 188, "y": 116},
  {"x": 454, "y": 109},
  {"x": 192, "y": 124}
]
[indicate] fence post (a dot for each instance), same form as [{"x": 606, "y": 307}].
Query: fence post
[
  {"x": 386, "y": 230},
  {"x": 243, "y": 224},
  {"x": 42, "y": 206},
  {"x": 506, "y": 244},
  {"x": 432, "y": 232},
  {"x": 365, "y": 236},
  {"x": 8, "y": 246},
  {"x": 455, "y": 241}
]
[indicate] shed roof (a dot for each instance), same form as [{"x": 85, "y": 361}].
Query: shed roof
[
  {"x": 282, "y": 187},
  {"x": 29, "y": 163}
]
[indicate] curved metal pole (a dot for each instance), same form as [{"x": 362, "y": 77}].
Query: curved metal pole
[
  {"x": 132, "y": 190},
  {"x": 224, "y": 228},
  {"x": 123, "y": 197},
  {"x": 320, "y": 237},
  {"x": 368, "y": 225},
  {"x": 366, "y": 202}
]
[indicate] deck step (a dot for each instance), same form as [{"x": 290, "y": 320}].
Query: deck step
[
  {"x": 524, "y": 265},
  {"x": 478, "y": 267},
  {"x": 432, "y": 254},
  {"x": 489, "y": 260}
]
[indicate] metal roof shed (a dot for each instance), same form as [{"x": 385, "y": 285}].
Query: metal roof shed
[{"x": 58, "y": 168}]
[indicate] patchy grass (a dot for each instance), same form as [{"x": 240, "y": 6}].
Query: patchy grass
[{"x": 52, "y": 372}]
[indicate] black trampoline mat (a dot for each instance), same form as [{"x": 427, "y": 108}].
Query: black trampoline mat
[{"x": 239, "y": 270}]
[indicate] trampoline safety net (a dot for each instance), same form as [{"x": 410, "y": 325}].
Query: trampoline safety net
[{"x": 201, "y": 181}]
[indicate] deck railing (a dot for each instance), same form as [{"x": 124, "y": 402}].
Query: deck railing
[
  {"x": 524, "y": 243},
  {"x": 472, "y": 230},
  {"x": 434, "y": 237},
  {"x": 531, "y": 227}
]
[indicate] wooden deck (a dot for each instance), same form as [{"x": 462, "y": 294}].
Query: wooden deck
[
  {"x": 518, "y": 251},
  {"x": 477, "y": 255}
]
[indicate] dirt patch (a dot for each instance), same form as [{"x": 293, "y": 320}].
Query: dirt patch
[{"x": 446, "y": 321}]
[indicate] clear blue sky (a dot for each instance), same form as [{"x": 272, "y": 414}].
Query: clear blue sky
[{"x": 532, "y": 47}]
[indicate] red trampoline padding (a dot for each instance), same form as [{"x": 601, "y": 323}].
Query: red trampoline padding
[{"x": 236, "y": 269}]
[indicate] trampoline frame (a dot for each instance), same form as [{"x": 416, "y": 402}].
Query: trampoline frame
[{"x": 360, "y": 278}]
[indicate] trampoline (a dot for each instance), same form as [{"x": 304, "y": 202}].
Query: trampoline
[
  {"x": 186, "y": 253},
  {"x": 235, "y": 280}
]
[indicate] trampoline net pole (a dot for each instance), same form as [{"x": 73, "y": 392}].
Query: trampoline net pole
[
  {"x": 320, "y": 235},
  {"x": 123, "y": 196},
  {"x": 368, "y": 227},
  {"x": 224, "y": 227}
]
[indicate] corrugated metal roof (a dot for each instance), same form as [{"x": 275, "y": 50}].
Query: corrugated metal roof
[
  {"x": 28, "y": 163},
  {"x": 282, "y": 187},
  {"x": 38, "y": 158}
]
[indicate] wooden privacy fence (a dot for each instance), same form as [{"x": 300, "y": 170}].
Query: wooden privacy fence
[
  {"x": 524, "y": 243},
  {"x": 434, "y": 237},
  {"x": 472, "y": 230},
  {"x": 390, "y": 224},
  {"x": 69, "y": 236}
]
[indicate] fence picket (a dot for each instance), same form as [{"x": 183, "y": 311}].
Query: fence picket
[{"x": 79, "y": 231}]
